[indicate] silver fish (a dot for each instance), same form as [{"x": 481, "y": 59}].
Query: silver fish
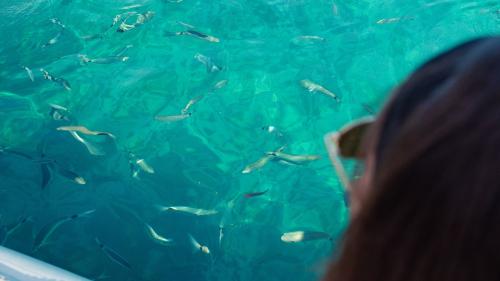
[
  {"x": 59, "y": 112},
  {"x": 107, "y": 60},
  {"x": 302, "y": 236},
  {"x": 30, "y": 73},
  {"x": 189, "y": 210},
  {"x": 172, "y": 118},
  {"x": 9, "y": 230},
  {"x": 261, "y": 162},
  {"x": 197, "y": 34},
  {"x": 209, "y": 64},
  {"x": 113, "y": 255},
  {"x": 197, "y": 246},
  {"x": 190, "y": 104},
  {"x": 53, "y": 41},
  {"x": 219, "y": 85},
  {"x": 90, "y": 147},
  {"x": 46, "y": 231},
  {"x": 140, "y": 20},
  {"x": 56, "y": 21},
  {"x": 313, "y": 87},
  {"x": 61, "y": 81},
  {"x": 158, "y": 238},
  {"x": 293, "y": 159}
]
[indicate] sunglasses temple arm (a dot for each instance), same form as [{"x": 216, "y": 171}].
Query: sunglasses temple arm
[
  {"x": 339, "y": 167},
  {"x": 341, "y": 173}
]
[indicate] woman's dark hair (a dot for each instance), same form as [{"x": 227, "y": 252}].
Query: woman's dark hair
[{"x": 433, "y": 208}]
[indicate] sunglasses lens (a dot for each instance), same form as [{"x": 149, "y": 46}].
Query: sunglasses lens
[{"x": 350, "y": 139}]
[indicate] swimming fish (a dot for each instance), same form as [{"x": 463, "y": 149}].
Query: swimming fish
[
  {"x": 46, "y": 175},
  {"x": 90, "y": 147},
  {"x": 104, "y": 60},
  {"x": 53, "y": 40},
  {"x": 113, "y": 255},
  {"x": 191, "y": 103},
  {"x": 293, "y": 159},
  {"x": 172, "y": 118},
  {"x": 257, "y": 164},
  {"x": 389, "y": 20},
  {"x": 140, "y": 20},
  {"x": 92, "y": 37},
  {"x": 47, "y": 230},
  {"x": 261, "y": 162},
  {"x": 307, "y": 39},
  {"x": 61, "y": 81},
  {"x": 208, "y": 62},
  {"x": 221, "y": 232},
  {"x": 137, "y": 164},
  {"x": 302, "y": 236},
  {"x": 313, "y": 87},
  {"x": 56, "y": 21},
  {"x": 219, "y": 85},
  {"x": 29, "y": 72},
  {"x": 58, "y": 112},
  {"x": 9, "y": 230},
  {"x": 85, "y": 131},
  {"x": 123, "y": 50},
  {"x": 131, "y": 7},
  {"x": 71, "y": 175},
  {"x": 197, "y": 34},
  {"x": 189, "y": 210},
  {"x": 197, "y": 246},
  {"x": 255, "y": 194},
  {"x": 158, "y": 238}
]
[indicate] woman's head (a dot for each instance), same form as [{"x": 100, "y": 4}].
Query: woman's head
[{"x": 430, "y": 206}]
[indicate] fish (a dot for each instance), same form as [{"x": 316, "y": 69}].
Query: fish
[
  {"x": 46, "y": 175},
  {"x": 90, "y": 147},
  {"x": 85, "y": 131},
  {"x": 189, "y": 210},
  {"x": 53, "y": 40},
  {"x": 172, "y": 118},
  {"x": 104, "y": 60},
  {"x": 388, "y": 20},
  {"x": 302, "y": 236},
  {"x": 313, "y": 87},
  {"x": 61, "y": 81},
  {"x": 58, "y": 112},
  {"x": 56, "y": 21},
  {"x": 158, "y": 238},
  {"x": 187, "y": 25},
  {"x": 191, "y": 103},
  {"x": 260, "y": 163},
  {"x": 255, "y": 194},
  {"x": 307, "y": 39},
  {"x": 145, "y": 166},
  {"x": 123, "y": 50},
  {"x": 71, "y": 175},
  {"x": 47, "y": 230},
  {"x": 208, "y": 62},
  {"x": 30, "y": 73},
  {"x": 257, "y": 164},
  {"x": 92, "y": 37},
  {"x": 9, "y": 230},
  {"x": 140, "y": 20},
  {"x": 131, "y": 7},
  {"x": 221, "y": 232},
  {"x": 293, "y": 159},
  {"x": 113, "y": 255},
  {"x": 197, "y": 246},
  {"x": 219, "y": 85},
  {"x": 197, "y": 34}
]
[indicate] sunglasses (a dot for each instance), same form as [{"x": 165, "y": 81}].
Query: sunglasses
[{"x": 347, "y": 143}]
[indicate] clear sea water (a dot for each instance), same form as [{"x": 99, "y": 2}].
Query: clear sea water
[{"x": 360, "y": 51}]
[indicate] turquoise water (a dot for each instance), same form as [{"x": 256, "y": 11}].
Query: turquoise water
[{"x": 118, "y": 82}]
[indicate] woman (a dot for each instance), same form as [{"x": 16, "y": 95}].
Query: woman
[{"x": 427, "y": 206}]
